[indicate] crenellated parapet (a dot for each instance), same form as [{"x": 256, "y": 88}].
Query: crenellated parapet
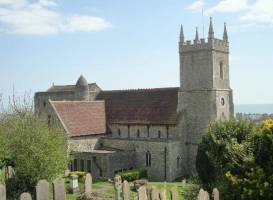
[
  {"x": 211, "y": 43},
  {"x": 203, "y": 44}
]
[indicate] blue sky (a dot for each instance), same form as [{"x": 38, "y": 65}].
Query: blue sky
[{"x": 129, "y": 44}]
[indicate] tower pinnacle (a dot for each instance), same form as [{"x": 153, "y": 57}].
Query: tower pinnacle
[
  {"x": 196, "y": 35},
  {"x": 182, "y": 38},
  {"x": 225, "y": 35},
  {"x": 211, "y": 31}
]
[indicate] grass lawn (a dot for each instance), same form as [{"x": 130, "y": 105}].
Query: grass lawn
[{"x": 105, "y": 189}]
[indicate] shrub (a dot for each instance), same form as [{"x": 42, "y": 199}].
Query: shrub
[{"x": 134, "y": 174}]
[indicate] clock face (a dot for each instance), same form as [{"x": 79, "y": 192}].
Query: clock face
[{"x": 222, "y": 101}]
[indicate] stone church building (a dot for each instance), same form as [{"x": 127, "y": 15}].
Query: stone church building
[{"x": 154, "y": 129}]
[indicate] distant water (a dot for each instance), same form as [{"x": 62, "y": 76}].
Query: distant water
[{"x": 254, "y": 108}]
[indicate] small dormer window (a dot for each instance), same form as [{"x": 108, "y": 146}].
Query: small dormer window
[
  {"x": 221, "y": 70},
  {"x": 222, "y": 101}
]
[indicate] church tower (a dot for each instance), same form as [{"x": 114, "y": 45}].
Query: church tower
[{"x": 205, "y": 93}]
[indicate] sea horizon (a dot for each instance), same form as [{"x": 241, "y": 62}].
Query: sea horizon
[{"x": 253, "y": 108}]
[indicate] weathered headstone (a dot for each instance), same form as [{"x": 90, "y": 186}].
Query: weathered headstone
[
  {"x": 162, "y": 194},
  {"x": 215, "y": 194},
  {"x": 74, "y": 184},
  {"x": 141, "y": 193},
  {"x": 155, "y": 194},
  {"x": 203, "y": 195},
  {"x": 2, "y": 192},
  {"x": 126, "y": 190},
  {"x": 149, "y": 190},
  {"x": 42, "y": 190},
  {"x": 25, "y": 196},
  {"x": 88, "y": 184},
  {"x": 174, "y": 193},
  {"x": 59, "y": 189},
  {"x": 118, "y": 186}
]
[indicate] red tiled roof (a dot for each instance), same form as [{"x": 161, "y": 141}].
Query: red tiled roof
[
  {"x": 143, "y": 106},
  {"x": 81, "y": 118}
]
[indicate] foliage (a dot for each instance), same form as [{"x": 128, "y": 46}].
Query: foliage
[
  {"x": 134, "y": 174},
  {"x": 226, "y": 146},
  {"x": 79, "y": 174},
  {"x": 237, "y": 158},
  {"x": 35, "y": 151}
]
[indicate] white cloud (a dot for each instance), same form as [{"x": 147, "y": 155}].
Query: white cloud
[
  {"x": 259, "y": 12},
  {"x": 196, "y": 6},
  {"x": 23, "y": 17},
  {"x": 228, "y": 6}
]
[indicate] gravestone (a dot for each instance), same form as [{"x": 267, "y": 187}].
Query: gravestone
[
  {"x": 154, "y": 194},
  {"x": 126, "y": 190},
  {"x": 149, "y": 192},
  {"x": 141, "y": 193},
  {"x": 88, "y": 184},
  {"x": 59, "y": 189},
  {"x": 215, "y": 194},
  {"x": 74, "y": 184},
  {"x": 2, "y": 192},
  {"x": 118, "y": 186},
  {"x": 203, "y": 195},
  {"x": 162, "y": 194},
  {"x": 174, "y": 193},
  {"x": 25, "y": 196},
  {"x": 42, "y": 190}
]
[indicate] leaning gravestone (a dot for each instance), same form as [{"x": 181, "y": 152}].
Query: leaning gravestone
[
  {"x": 141, "y": 193},
  {"x": 2, "y": 192},
  {"x": 174, "y": 193},
  {"x": 88, "y": 184},
  {"x": 25, "y": 196},
  {"x": 203, "y": 195},
  {"x": 118, "y": 186},
  {"x": 126, "y": 190},
  {"x": 162, "y": 194},
  {"x": 155, "y": 194},
  {"x": 42, "y": 190},
  {"x": 215, "y": 194},
  {"x": 59, "y": 189}
]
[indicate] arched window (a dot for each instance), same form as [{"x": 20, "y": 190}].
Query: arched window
[
  {"x": 159, "y": 134},
  {"x": 148, "y": 158},
  {"x": 221, "y": 70},
  {"x": 119, "y": 132},
  {"x": 138, "y": 133}
]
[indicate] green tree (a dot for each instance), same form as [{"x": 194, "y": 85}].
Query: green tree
[
  {"x": 35, "y": 150},
  {"x": 226, "y": 146}
]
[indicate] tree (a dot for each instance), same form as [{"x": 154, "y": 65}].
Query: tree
[{"x": 35, "y": 150}]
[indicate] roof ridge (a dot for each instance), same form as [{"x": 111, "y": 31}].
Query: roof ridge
[{"x": 140, "y": 89}]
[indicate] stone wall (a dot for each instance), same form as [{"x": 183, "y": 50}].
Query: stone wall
[{"x": 159, "y": 159}]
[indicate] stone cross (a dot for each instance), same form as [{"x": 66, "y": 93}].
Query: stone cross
[
  {"x": 203, "y": 195},
  {"x": 42, "y": 190},
  {"x": 155, "y": 194},
  {"x": 25, "y": 196},
  {"x": 141, "y": 193},
  {"x": 174, "y": 193},
  {"x": 126, "y": 190},
  {"x": 59, "y": 189},
  {"x": 215, "y": 194},
  {"x": 162, "y": 194},
  {"x": 2, "y": 192},
  {"x": 88, "y": 184},
  {"x": 118, "y": 186}
]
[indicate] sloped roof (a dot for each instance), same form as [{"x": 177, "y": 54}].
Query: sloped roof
[
  {"x": 68, "y": 88},
  {"x": 81, "y": 118},
  {"x": 142, "y": 106}
]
